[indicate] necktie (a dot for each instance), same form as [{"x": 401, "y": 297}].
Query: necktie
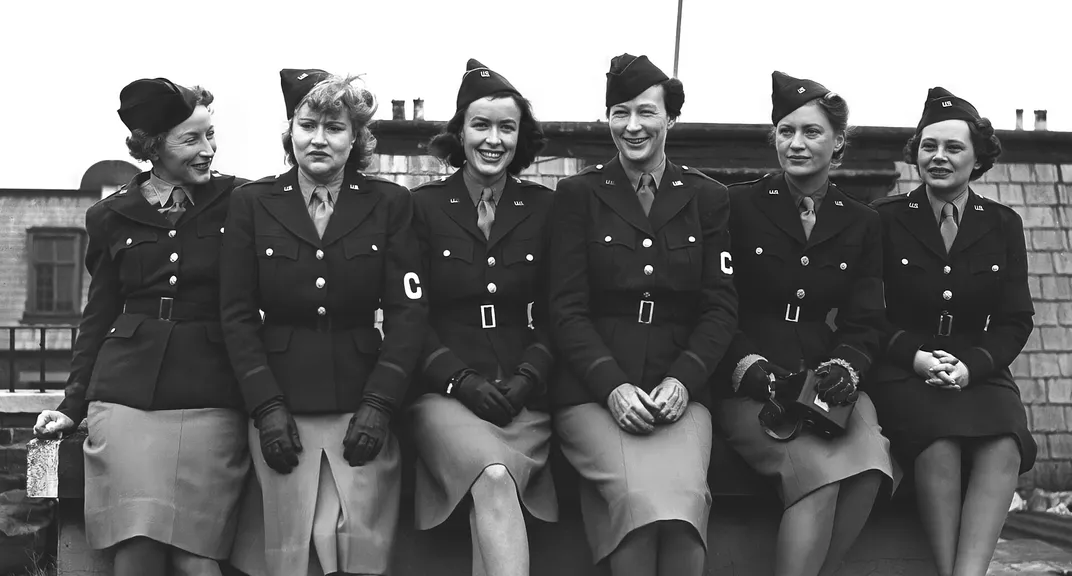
[
  {"x": 949, "y": 225},
  {"x": 807, "y": 215},
  {"x": 174, "y": 209},
  {"x": 322, "y": 209},
  {"x": 485, "y": 212},
  {"x": 646, "y": 192}
]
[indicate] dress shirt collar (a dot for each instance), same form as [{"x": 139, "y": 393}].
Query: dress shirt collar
[
  {"x": 937, "y": 203},
  {"x": 307, "y": 186},
  {"x": 158, "y": 191},
  {"x": 476, "y": 188},
  {"x": 634, "y": 175}
]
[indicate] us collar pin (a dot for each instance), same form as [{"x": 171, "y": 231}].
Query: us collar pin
[
  {"x": 609, "y": 182},
  {"x": 354, "y": 187},
  {"x": 772, "y": 192},
  {"x": 453, "y": 200},
  {"x": 288, "y": 188},
  {"x": 677, "y": 183},
  {"x": 978, "y": 207},
  {"x": 518, "y": 203},
  {"x": 913, "y": 205},
  {"x": 838, "y": 203}
]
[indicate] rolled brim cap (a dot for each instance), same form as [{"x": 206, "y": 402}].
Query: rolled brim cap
[
  {"x": 788, "y": 94},
  {"x": 296, "y": 83},
  {"x": 942, "y": 105},
  {"x": 629, "y": 76},
  {"x": 479, "y": 81},
  {"x": 155, "y": 105}
]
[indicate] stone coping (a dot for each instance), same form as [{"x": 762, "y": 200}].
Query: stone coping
[{"x": 29, "y": 401}]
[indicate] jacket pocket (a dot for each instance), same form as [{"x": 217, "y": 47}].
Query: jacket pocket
[
  {"x": 522, "y": 252},
  {"x": 132, "y": 239},
  {"x": 275, "y": 247},
  {"x": 448, "y": 248},
  {"x": 125, "y": 326},
  {"x": 368, "y": 245},
  {"x": 277, "y": 339},
  {"x": 993, "y": 263}
]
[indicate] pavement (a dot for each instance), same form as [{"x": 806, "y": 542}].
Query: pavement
[{"x": 1029, "y": 557}]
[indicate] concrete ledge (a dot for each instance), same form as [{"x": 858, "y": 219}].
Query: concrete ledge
[{"x": 29, "y": 402}]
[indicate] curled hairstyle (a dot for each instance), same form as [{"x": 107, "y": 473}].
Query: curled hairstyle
[
  {"x": 334, "y": 94},
  {"x": 984, "y": 141},
  {"x": 447, "y": 145},
  {"x": 836, "y": 111},
  {"x": 673, "y": 98},
  {"x": 144, "y": 146}
]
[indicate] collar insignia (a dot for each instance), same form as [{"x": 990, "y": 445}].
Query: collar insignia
[
  {"x": 677, "y": 183},
  {"x": 913, "y": 205},
  {"x": 772, "y": 192},
  {"x": 288, "y": 188},
  {"x": 978, "y": 207},
  {"x": 518, "y": 203},
  {"x": 453, "y": 200},
  {"x": 838, "y": 203}
]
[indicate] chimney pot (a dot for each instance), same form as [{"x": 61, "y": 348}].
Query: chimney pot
[
  {"x": 1040, "y": 120},
  {"x": 1019, "y": 118},
  {"x": 398, "y": 109},
  {"x": 418, "y": 109}
]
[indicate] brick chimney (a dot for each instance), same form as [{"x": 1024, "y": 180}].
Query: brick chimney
[
  {"x": 398, "y": 109},
  {"x": 1040, "y": 120},
  {"x": 418, "y": 109},
  {"x": 1019, "y": 118}
]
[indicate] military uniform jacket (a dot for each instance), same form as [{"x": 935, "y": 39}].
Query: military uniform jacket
[
  {"x": 789, "y": 284},
  {"x": 318, "y": 346},
  {"x": 150, "y": 334},
  {"x": 480, "y": 289},
  {"x": 973, "y": 303},
  {"x": 636, "y": 298}
]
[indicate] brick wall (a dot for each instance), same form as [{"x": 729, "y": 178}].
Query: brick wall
[
  {"x": 1042, "y": 195},
  {"x": 411, "y": 171}
]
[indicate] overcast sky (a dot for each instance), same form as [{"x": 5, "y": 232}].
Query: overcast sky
[{"x": 64, "y": 62}]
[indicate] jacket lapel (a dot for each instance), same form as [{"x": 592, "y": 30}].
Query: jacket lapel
[
  {"x": 132, "y": 205},
  {"x": 204, "y": 196},
  {"x": 673, "y": 195},
  {"x": 975, "y": 223},
  {"x": 616, "y": 192},
  {"x": 286, "y": 204},
  {"x": 919, "y": 220},
  {"x": 509, "y": 212},
  {"x": 356, "y": 201},
  {"x": 777, "y": 205},
  {"x": 458, "y": 206},
  {"x": 832, "y": 218}
]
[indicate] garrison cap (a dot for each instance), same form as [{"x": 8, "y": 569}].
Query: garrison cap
[
  {"x": 942, "y": 105},
  {"x": 155, "y": 105},
  {"x": 296, "y": 84},
  {"x": 479, "y": 81},
  {"x": 788, "y": 94},
  {"x": 629, "y": 76}
]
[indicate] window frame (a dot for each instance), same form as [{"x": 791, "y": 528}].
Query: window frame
[{"x": 31, "y": 314}]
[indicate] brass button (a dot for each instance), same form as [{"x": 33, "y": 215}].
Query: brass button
[
  {"x": 946, "y": 270},
  {"x": 649, "y": 270},
  {"x": 221, "y": 229},
  {"x": 647, "y": 242},
  {"x": 174, "y": 257},
  {"x": 375, "y": 248},
  {"x": 684, "y": 167},
  {"x": 491, "y": 260},
  {"x": 130, "y": 241},
  {"x": 904, "y": 261},
  {"x": 759, "y": 250},
  {"x": 173, "y": 280},
  {"x": 112, "y": 331},
  {"x": 599, "y": 166},
  {"x": 268, "y": 251},
  {"x": 995, "y": 268},
  {"x": 446, "y": 253},
  {"x": 844, "y": 266},
  {"x": 319, "y": 254},
  {"x": 492, "y": 288},
  {"x": 804, "y": 261},
  {"x": 171, "y": 234},
  {"x": 947, "y": 295},
  {"x": 607, "y": 239},
  {"x": 800, "y": 294},
  {"x": 647, "y": 294},
  {"x": 692, "y": 238},
  {"x": 320, "y": 282},
  {"x": 528, "y": 257},
  {"x": 321, "y": 311}
]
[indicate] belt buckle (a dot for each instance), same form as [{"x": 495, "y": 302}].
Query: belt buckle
[
  {"x": 166, "y": 305},
  {"x": 945, "y": 324},
  {"x": 647, "y": 310},
  {"x": 487, "y": 316},
  {"x": 792, "y": 313}
]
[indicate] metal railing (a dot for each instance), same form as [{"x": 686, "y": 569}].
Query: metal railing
[{"x": 23, "y": 345}]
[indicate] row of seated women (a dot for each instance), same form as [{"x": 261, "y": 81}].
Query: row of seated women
[{"x": 231, "y": 324}]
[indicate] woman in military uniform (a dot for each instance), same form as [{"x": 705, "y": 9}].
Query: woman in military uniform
[
  {"x": 959, "y": 312},
  {"x": 481, "y": 427},
  {"x": 166, "y": 455},
  {"x": 802, "y": 247},
  {"x": 319, "y": 249},
  {"x": 642, "y": 309}
]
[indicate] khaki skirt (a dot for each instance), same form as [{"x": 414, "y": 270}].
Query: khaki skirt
[
  {"x": 324, "y": 516},
  {"x": 807, "y": 462},
  {"x": 455, "y": 446},
  {"x": 174, "y": 476},
  {"x": 631, "y": 481}
]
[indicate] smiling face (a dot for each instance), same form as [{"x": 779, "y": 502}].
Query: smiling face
[
  {"x": 185, "y": 156},
  {"x": 946, "y": 156},
  {"x": 321, "y": 142},
  {"x": 639, "y": 128},
  {"x": 806, "y": 141},
  {"x": 489, "y": 137}
]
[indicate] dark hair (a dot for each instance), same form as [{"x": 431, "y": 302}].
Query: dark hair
[
  {"x": 984, "y": 141},
  {"x": 338, "y": 93},
  {"x": 143, "y": 146},
  {"x": 673, "y": 97},
  {"x": 836, "y": 111},
  {"x": 447, "y": 145}
]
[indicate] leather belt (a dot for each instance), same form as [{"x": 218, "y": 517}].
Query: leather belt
[
  {"x": 650, "y": 309},
  {"x": 325, "y": 323},
  {"x": 170, "y": 309},
  {"x": 483, "y": 315}
]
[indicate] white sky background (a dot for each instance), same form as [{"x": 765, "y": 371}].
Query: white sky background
[{"x": 64, "y": 62}]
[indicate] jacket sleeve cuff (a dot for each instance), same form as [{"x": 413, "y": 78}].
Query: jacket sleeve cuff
[
  {"x": 439, "y": 366},
  {"x": 690, "y": 370},
  {"x": 539, "y": 357},
  {"x": 979, "y": 363},
  {"x": 742, "y": 366},
  {"x": 388, "y": 382},
  {"x": 860, "y": 361},
  {"x": 259, "y": 386},
  {"x": 603, "y": 376},
  {"x": 73, "y": 409},
  {"x": 903, "y": 347}
]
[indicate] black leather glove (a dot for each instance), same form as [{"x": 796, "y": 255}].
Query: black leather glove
[
  {"x": 835, "y": 385},
  {"x": 518, "y": 387},
  {"x": 367, "y": 432},
  {"x": 756, "y": 383},
  {"x": 483, "y": 398},
  {"x": 280, "y": 444}
]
